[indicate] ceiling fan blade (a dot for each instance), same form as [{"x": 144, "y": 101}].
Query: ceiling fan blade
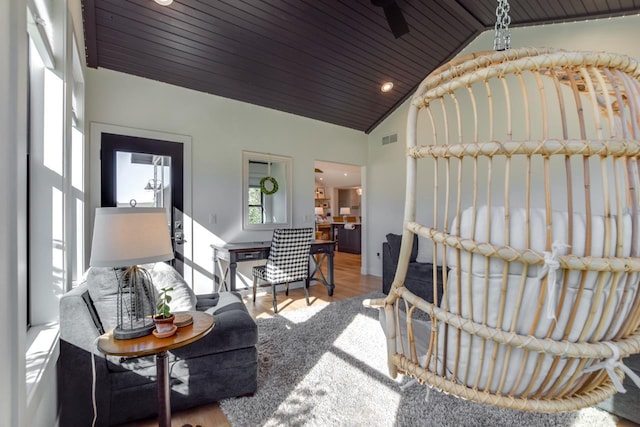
[
  {"x": 397, "y": 23},
  {"x": 393, "y": 13}
]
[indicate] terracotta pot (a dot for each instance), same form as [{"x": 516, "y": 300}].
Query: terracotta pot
[{"x": 163, "y": 324}]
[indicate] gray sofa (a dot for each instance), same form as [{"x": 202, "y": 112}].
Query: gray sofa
[
  {"x": 223, "y": 364},
  {"x": 419, "y": 279}
]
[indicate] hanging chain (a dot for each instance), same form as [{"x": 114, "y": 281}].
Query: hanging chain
[{"x": 502, "y": 38}]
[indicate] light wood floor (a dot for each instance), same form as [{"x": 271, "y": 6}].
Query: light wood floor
[{"x": 349, "y": 283}]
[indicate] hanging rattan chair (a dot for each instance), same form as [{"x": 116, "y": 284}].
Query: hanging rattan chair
[{"x": 522, "y": 176}]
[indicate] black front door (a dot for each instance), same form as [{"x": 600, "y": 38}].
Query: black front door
[{"x": 145, "y": 172}]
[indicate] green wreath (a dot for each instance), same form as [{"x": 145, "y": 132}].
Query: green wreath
[{"x": 270, "y": 179}]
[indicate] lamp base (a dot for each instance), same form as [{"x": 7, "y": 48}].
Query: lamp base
[
  {"x": 126, "y": 334},
  {"x": 136, "y": 304}
]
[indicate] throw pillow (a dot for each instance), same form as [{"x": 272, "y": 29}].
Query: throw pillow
[
  {"x": 182, "y": 296},
  {"x": 394, "y": 241},
  {"x": 102, "y": 283}
]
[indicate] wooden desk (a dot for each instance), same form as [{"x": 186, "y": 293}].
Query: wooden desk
[
  {"x": 149, "y": 344},
  {"x": 233, "y": 253}
]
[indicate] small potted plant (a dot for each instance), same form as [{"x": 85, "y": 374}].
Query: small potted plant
[{"x": 164, "y": 318}]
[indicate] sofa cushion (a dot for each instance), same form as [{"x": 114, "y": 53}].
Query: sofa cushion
[
  {"x": 419, "y": 280},
  {"x": 234, "y": 328},
  {"x": 395, "y": 240},
  {"x": 102, "y": 283}
]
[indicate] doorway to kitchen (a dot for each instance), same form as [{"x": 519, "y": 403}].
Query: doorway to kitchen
[{"x": 339, "y": 207}]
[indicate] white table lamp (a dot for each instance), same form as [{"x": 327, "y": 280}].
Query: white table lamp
[
  {"x": 122, "y": 239},
  {"x": 344, "y": 212}
]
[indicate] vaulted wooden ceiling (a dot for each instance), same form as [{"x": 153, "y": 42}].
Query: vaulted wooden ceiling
[{"x": 323, "y": 59}]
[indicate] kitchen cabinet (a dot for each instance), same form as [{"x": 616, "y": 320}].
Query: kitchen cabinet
[{"x": 349, "y": 240}]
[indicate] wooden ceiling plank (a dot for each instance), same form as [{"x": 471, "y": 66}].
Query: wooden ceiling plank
[
  {"x": 590, "y": 6},
  {"x": 439, "y": 25},
  {"x": 89, "y": 18},
  {"x": 143, "y": 42},
  {"x": 156, "y": 54},
  {"x": 550, "y": 9},
  {"x": 613, "y": 5},
  {"x": 466, "y": 16},
  {"x": 572, "y": 7},
  {"x": 485, "y": 12},
  {"x": 336, "y": 64},
  {"x": 414, "y": 44},
  {"x": 334, "y": 76},
  {"x": 282, "y": 37},
  {"x": 364, "y": 27},
  {"x": 523, "y": 10},
  {"x": 431, "y": 37},
  {"x": 337, "y": 34}
]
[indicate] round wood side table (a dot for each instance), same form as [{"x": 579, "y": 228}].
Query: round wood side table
[{"x": 148, "y": 345}]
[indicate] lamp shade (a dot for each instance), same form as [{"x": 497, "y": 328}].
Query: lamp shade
[
  {"x": 123, "y": 237},
  {"x": 345, "y": 211},
  {"x": 319, "y": 211}
]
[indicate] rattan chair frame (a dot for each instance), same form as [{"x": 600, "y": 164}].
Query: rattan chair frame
[{"x": 579, "y": 115}]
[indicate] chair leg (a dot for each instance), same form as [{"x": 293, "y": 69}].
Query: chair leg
[
  {"x": 306, "y": 289},
  {"x": 255, "y": 285},
  {"x": 275, "y": 301},
  {"x": 286, "y": 289}
]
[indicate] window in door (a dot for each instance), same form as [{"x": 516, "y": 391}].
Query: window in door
[{"x": 143, "y": 180}]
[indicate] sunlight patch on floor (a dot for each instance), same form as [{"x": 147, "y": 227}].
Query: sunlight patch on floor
[
  {"x": 311, "y": 402},
  {"x": 361, "y": 343},
  {"x": 352, "y": 341},
  {"x": 300, "y": 316},
  {"x": 591, "y": 416}
]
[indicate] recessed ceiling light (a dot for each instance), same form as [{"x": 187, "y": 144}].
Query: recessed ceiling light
[
  {"x": 386, "y": 86},
  {"x": 164, "y": 2},
  {"x": 345, "y": 174}
]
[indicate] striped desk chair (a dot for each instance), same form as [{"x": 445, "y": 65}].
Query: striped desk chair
[{"x": 288, "y": 261}]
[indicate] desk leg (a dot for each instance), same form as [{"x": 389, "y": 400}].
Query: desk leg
[
  {"x": 216, "y": 272},
  {"x": 224, "y": 272},
  {"x": 330, "y": 273},
  {"x": 232, "y": 274},
  {"x": 164, "y": 403}
]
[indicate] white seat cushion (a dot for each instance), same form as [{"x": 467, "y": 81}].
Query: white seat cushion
[{"x": 475, "y": 285}]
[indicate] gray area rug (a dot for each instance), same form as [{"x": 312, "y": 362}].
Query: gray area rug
[{"x": 326, "y": 366}]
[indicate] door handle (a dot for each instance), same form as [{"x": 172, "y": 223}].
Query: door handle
[{"x": 178, "y": 238}]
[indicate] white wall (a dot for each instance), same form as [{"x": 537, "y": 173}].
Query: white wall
[
  {"x": 220, "y": 130},
  {"x": 386, "y": 164},
  {"x": 13, "y": 137}
]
